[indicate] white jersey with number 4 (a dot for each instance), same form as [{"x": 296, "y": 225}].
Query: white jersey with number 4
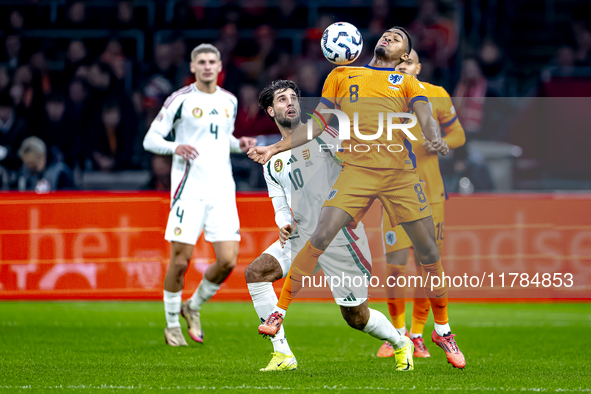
[
  {"x": 206, "y": 122},
  {"x": 305, "y": 176}
]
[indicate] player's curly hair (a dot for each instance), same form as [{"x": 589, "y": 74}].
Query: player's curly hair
[
  {"x": 409, "y": 49},
  {"x": 268, "y": 93}
]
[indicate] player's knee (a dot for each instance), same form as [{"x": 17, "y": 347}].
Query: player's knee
[
  {"x": 180, "y": 262},
  {"x": 429, "y": 256},
  {"x": 254, "y": 274}
]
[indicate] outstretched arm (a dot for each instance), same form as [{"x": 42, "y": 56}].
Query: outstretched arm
[{"x": 298, "y": 137}]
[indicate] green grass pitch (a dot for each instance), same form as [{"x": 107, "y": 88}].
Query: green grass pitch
[{"x": 119, "y": 347}]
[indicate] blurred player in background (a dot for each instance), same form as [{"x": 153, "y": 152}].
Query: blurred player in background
[
  {"x": 301, "y": 179},
  {"x": 388, "y": 176},
  {"x": 396, "y": 242},
  {"x": 200, "y": 118}
]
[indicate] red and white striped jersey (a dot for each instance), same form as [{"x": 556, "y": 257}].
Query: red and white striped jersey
[{"x": 206, "y": 122}]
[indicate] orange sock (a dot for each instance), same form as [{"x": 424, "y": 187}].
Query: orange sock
[
  {"x": 437, "y": 296},
  {"x": 395, "y": 295},
  {"x": 420, "y": 311},
  {"x": 303, "y": 265}
]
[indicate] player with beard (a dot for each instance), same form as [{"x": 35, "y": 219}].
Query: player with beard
[
  {"x": 366, "y": 93},
  {"x": 300, "y": 180}
]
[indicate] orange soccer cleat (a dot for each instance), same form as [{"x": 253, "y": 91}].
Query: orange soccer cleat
[
  {"x": 450, "y": 347},
  {"x": 272, "y": 325},
  {"x": 386, "y": 350},
  {"x": 420, "y": 348}
]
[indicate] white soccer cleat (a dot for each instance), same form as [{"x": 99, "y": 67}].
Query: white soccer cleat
[
  {"x": 174, "y": 337},
  {"x": 193, "y": 323}
]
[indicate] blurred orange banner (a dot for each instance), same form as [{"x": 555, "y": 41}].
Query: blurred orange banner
[{"x": 100, "y": 245}]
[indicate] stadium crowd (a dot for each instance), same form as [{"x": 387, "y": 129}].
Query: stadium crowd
[{"x": 78, "y": 91}]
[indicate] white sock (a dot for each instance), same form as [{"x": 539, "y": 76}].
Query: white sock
[
  {"x": 280, "y": 310},
  {"x": 413, "y": 335},
  {"x": 204, "y": 292},
  {"x": 401, "y": 331},
  {"x": 172, "y": 308},
  {"x": 378, "y": 326},
  {"x": 264, "y": 300},
  {"x": 442, "y": 329}
]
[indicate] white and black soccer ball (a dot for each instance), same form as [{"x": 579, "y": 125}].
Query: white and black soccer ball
[{"x": 341, "y": 43}]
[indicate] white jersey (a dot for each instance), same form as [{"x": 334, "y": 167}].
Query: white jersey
[
  {"x": 305, "y": 176},
  {"x": 206, "y": 122}
]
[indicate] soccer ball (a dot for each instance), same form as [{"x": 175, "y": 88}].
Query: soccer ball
[{"x": 341, "y": 43}]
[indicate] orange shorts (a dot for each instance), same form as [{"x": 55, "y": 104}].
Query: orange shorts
[
  {"x": 399, "y": 191},
  {"x": 395, "y": 238}
]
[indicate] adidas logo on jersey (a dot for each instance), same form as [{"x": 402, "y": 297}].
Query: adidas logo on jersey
[
  {"x": 213, "y": 112},
  {"x": 292, "y": 159},
  {"x": 350, "y": 298}
]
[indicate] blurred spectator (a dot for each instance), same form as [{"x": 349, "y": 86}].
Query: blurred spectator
[
  {"x": 41, "y": 80},
  {"x": 434, "y": 34},
  {"x": 12, "y": 56},
  {"x": 114, "y": 57},
  {"x": 288, "y": 16},
  {"x": 493, "y": 70},
  {"x": 76, "y": 16},
  {"x": 76, "y": 56},
  {"x": 253, "y": 14},
  {"x": 16, "y": 20},
  {"x": 58, "y": 131},
  {"x": 22, "y": 91},
  {"x": 178, "y": 52},
  {"x": 470, "y": 96},
  {"x": 161, "y": 167},
  {"x": 250, "y": 119},
  {"x": 231, "y": 76},
  {"x": 4, "y": 80},
  {"x": 308, "y": 80},
  {"x": 583, "y": 52},
  {"x": 468, "y": 175},
  {"x": 125, "y": 16},
  {"x": 379, "y": 19},
  {"x": 563, "y": 64},
  {"x": 36, "y": 175},
  {"x": 266, "y": 53},
  {"x": 13, "y": 130},
  {"x": 110, "y": 143},
  {"x": 163, "y": 62}
]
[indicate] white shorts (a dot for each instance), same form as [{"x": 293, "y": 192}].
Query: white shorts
[
  {"x": 349, "y": 265},
  {"x": 217, "y": 218}
]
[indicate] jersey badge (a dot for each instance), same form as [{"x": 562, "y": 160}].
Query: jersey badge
[
  {"x": 197, "y": 112},
  {"x": 159, "y": 117},
  {"x": 395, "y": 79},
  {"x": 306, "y": 153},
  {"x": 390, "y": 238},
  {"x": 227, "y": 112},
  {"x": 332, "y": 194},
  {"x": 177, "y": 231},
  {"x": 278, "y": 165}
]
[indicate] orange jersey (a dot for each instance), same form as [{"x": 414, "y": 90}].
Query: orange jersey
[
  {"x": 369, "y": 91},
  {"x": 427, "y": 162}
]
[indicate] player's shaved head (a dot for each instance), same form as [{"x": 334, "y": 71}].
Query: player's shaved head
[
  {"x": 410, "y": 66},
  {"x": 414, "y": 56},
  {"x": 397, "y": 30}
]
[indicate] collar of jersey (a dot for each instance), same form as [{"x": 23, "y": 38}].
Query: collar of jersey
[{"x": 379, "y": 68}]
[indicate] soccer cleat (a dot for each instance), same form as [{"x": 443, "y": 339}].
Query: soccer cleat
[
  {"x": 386, "y": 350},
  {"x": 281, "y": 362},
  {"x": 450, "y": 347},
  {"x": 404, "y": 357},
  {"x": 272, "y": 324},
  {"x": 420, "y": 348},
  {"x": 174, "y": 337},
  {"x": 193, "y": 323}
]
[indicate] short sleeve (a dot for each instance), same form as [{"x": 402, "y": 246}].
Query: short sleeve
[
  {"x": 330, "y": 89},
  {"x": 446, "y": 115},
  {"x": 414, "y": 91},
  {"x": 329, "y": 140}
]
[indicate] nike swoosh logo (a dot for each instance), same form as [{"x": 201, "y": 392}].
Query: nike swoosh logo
[
  {"x": 439, "y": 296},
  {"x": 353, "y": 76},
  {"x": 280, "y": 363},
  {"x": 423, "y": 208}
]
